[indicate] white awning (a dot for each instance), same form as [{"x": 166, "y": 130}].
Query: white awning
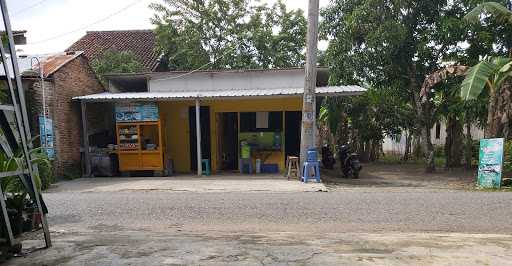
[{"x": 218, "y": 94}]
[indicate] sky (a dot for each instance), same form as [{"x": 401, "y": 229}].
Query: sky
[{"x": 53, "y": 25}]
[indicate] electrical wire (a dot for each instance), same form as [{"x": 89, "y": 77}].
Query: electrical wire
[
  {"x": 197, "y": 69},
  {"x": 88, "y": 25},
  {"x": 25, "y": 9}
]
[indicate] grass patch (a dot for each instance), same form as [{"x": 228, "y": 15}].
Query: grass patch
[
  {"x": 72, "y": 173},
  {"x": 396, "y": 159},
  {"x": 502, "y": 189}
]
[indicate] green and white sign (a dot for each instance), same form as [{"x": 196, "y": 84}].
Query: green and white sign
[{"x": 490, "y": 163}]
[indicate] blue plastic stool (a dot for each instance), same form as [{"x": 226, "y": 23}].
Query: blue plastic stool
[
  {"x": 205, "y": 166},
  {"x": 243, "y": 162},
  {"x": 306, "y": 170}
]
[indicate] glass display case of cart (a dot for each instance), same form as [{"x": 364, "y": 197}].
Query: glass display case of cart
[
  {"x": 139, "y": 134},
  {"x": 128, "y": 137},
  {"x": 149, "y": 137}
]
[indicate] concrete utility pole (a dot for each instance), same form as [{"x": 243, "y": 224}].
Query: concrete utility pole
[{"x": 309, "y": 104}]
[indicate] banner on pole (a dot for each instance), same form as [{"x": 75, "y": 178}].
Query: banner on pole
[
  {"x": 46, "y": 136},
  {"x": 490, "y": 163}
]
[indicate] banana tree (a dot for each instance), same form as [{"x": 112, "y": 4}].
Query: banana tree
[
  {"x": 500, "y": 12},
  {"x": 493, "y": 73}
]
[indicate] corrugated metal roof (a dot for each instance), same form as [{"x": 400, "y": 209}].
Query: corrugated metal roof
[
  {"x": 24, "y": 64},
  {"x": 231, "y": 93}
]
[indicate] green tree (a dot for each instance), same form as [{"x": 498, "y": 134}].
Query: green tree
[
  {"x": 116, "y": 62},
  {"x": 393, "y": 44},
  {"x": 493, "y": 73},
  {"x": 224, "y": 34},
  {"x": 365, "y": 120}
]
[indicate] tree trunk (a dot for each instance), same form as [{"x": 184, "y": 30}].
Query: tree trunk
[
  {"x": 428, "y": 151},
  {"x": 407, "y": 151},
  {"x": 490, "y": 127},
  {"x": 423, "y": 112},
  {"x": 453, "y": 144},
  {"x": 469, "y": 145},
  {"x": 503, "y": 110}
]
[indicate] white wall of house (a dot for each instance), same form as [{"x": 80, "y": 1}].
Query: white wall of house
[
  {"x": 437, "y": 134},
  {"x": 394, "y": 146},
  {"x": 211, "y": 81}
]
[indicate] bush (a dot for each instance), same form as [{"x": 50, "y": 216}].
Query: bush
[
  {"x": 439, "y": 151},
  {"x": 507, "y": 158},
  {"x": 72, "y": 172},
  {"x": 44, "y": 167}
]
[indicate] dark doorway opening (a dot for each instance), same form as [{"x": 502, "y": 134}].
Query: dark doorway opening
[
  {"x": 205, "y": 135},
  {"x": 292, "y": 121},
  {"x": 227, "y": 141}
]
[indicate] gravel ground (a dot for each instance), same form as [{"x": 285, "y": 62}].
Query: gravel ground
[{"x": 350, "y": 210}]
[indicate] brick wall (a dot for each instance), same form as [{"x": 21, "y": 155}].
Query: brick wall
[
  {"x": 76, "y": 78},
  {"x": 35, "y": 103}
]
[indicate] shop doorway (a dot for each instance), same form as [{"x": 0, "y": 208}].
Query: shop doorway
[
  {"x": 205, "y": 135},
  {"x": 227, "y": 141},
  {"x": 292, "y": 137}
]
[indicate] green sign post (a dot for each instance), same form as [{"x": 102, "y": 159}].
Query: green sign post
[{"x": 490, "y": 163}]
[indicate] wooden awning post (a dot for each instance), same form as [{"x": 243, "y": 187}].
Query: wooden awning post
[
  {"x": 85, "y": 140},
  {"x": 198, "y": 138}
]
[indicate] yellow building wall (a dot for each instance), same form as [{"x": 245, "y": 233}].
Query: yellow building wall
[{"x": 177, "y": 131}]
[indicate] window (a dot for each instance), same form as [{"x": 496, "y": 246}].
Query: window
[
  {"x": 248, "y": 122},
  {"x": 438, "y": 130}
]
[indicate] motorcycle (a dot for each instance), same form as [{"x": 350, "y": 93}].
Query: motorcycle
[
  {"x": 350, "y": 164},
  {"x": 328, "y": 160}
]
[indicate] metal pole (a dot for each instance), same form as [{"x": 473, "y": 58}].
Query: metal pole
[
  {"x": 41, "y": 74},
  {"x": 25, "y": 138},
  {"x": 198, "y": 138},
  {"x": 85, "y": 139},
  {"x": 41, "y": 77},
  {"x": 309, "y": 101}
]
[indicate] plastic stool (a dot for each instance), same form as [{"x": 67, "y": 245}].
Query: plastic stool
[
  {"x": 205, "y": 166},
  {"x": 306, "y": 170},
  {"x": 243, "y": 162}
]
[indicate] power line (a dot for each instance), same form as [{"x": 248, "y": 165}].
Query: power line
[
  {"x": 25, "y": 9},
  {"x": 199, "y": 68},
  {"x": 88, "y": 25}
]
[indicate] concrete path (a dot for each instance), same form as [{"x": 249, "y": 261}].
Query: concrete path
[
  {"x": 279, "y": 248},
  {"x": 188, "y": 183}
]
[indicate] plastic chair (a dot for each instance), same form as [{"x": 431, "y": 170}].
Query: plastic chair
[
  {"x": 306, "y": 171},
  {"x": 205, "y": 166},
  {"x": 311, "y": 163}
]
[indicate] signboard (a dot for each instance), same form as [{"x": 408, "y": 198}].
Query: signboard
[
  {"x": 46, "y": 136},
  {"x": 490, "y": 163},
  {"x": 131, "y": 112}
]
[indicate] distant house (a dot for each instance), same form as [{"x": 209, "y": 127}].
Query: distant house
[
  {"x": 437, "y": 137},
  {"x": 66, "y": 75},
  {"x": 141, "y": 43}
]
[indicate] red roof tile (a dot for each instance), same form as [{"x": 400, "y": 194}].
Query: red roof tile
[{"x": 140, "y": 42}]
